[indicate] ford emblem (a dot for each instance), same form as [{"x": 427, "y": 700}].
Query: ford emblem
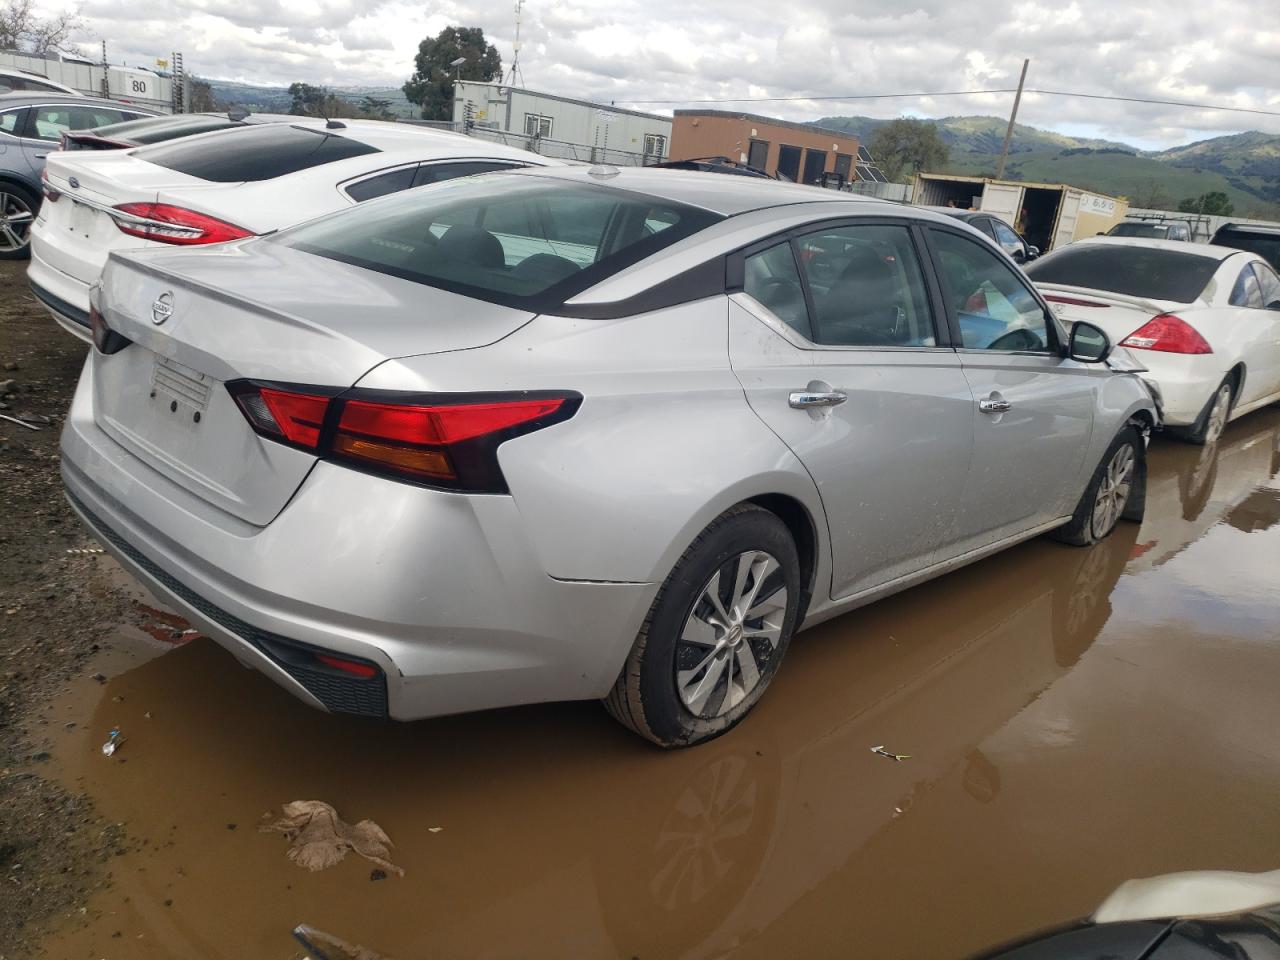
[
  {"x": 73, "y": 183},
  {"x": 162, "y": 308}
]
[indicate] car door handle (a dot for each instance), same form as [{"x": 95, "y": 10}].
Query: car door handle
[
  {"x": 994, "y": 406},
  {"x": 41, "y": 156},
  {"x": 804, "y": 400}
]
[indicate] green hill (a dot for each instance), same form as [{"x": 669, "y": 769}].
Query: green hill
[{"x": 1244, "y": 166}]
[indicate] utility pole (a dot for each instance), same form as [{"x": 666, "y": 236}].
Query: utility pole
[
  {"x": 1013, "y": 117},
  {"x": 106, "y": 83}
]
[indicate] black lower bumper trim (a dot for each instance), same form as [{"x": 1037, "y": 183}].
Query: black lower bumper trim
[
  {"x": 337, "y": 690},
  {"x": 60, "y": 306}
]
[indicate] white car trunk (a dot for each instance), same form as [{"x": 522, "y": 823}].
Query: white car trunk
[
  {"x": 1115, "y": 314},
  {"x": 76, "y": 237},
  {"x": 164, "y": 396}
]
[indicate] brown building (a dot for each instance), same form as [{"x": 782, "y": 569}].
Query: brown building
[{"x": 799, "y": 151}]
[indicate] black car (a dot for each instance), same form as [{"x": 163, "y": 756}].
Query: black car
[
  {"x": 716, "y": 165},
  {"x": 1254, "y": 237},
  {"x": 991, "y": 226}
]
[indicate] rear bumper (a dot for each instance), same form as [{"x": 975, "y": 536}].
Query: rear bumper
[
  {"x": 441, "y": 592},
  {"x": 65, "y": 297}
]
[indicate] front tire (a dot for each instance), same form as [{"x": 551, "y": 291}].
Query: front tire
[
  {"x": 716, "y": 632},
  {"x": 1117, "y": 491}
]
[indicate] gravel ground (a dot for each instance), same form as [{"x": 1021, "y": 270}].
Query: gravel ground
[{"x": 55, "y": 615}]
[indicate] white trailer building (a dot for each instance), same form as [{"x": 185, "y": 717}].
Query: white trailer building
[
  {"x": 1049, "y": 215},
  {"x": 559, "y": 126},
  {"x": 137, "y": 85}
]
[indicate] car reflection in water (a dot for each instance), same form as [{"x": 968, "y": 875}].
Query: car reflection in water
[{"x": 786, "y": 837}]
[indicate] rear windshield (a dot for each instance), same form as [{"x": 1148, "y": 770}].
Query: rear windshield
[
  {"x": 1152, "y": 231},
  {"x": 528, "y": 242},
  {"x": 1132, "y": 271},
  {"x": 254, "y": 153},
  {"x": 1265, "y": 245}
]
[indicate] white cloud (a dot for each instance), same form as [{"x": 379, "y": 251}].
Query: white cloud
[{"x": 1212, "y": 51}]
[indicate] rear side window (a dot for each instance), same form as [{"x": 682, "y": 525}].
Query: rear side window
[
  {"x": 379, "y": 186},
  {"x": 51, "y": 122},
  {"x": 437, "y": 172},
  {"x": 526, "y": 242},
  {"x": 9, "y": 120},
  {"x": 771, "y": 277},
  {"x": 1246, "y": 292},
  {"x": 1131, "y": 271},
  {"x": 254, "y": 153}
]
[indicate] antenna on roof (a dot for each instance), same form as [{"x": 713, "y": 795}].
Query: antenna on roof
[{"x": 515, "y": 48}]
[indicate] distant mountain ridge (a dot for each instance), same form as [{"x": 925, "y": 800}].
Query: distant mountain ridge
[{"x": 1244, "y": 166}]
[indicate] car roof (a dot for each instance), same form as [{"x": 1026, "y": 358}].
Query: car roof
[
  {"x": 1250, "y": 227},
  {"x": 727, "y": 196},
  {"x": 1206, "y": 250},
  {"x": 27, "y": 98}
]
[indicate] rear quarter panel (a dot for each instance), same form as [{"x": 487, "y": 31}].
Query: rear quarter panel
[{"x": 663, "y": 443}]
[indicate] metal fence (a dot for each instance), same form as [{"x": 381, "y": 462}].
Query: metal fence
[{"x": 559, "y": 149}]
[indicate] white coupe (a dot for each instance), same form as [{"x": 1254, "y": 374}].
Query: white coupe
[
  {"x": 227, "y": 185},
  {"x": 1204, "y": 320}
]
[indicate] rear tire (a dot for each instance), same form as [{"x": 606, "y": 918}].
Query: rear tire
[
  {"x": 716, "y": 633},
  {"x": 1116, "y": 491},
  {"x": 18, "y": 208},
  {"x": 1213, "y": 418}
]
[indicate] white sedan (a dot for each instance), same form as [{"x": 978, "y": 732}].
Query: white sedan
[
  {"x": 227, "y": 185},
  {"x": 1204, "y": 320}
]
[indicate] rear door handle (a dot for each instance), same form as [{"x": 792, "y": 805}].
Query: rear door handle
[
  {"x": 804, "y": 400},
  {"x": 994, "y": 406}
]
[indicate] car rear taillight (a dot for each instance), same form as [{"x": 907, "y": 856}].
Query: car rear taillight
[
  {"x": 104, "y": 338},
  {"x": 50, "y": 192},
  {"x": 166, "y": 223},
  {"x": 1167, "y": 333},
  {"x": 446, "y": 441}
]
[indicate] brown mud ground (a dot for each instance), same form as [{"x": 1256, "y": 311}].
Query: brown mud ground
[{"x": 1073, "y": 718}]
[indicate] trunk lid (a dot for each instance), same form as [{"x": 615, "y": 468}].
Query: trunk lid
[
  {"x": 76, "y": 237},
  {"x": 327, "y": 324},
  {"x": 1115, "y": 314}
]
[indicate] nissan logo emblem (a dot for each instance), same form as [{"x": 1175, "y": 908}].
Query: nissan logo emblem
[
  {"x": 162, "y": 308},
  {"x": 73, "y": 183}
]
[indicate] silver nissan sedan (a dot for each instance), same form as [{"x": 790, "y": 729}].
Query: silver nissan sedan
[{"x": 582, "y": 433}]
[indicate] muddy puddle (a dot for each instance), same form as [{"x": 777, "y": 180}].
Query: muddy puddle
[{"x": 1073, "y": 718}]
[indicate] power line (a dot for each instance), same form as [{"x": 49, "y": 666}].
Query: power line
[{"x": 967, "y": 93}]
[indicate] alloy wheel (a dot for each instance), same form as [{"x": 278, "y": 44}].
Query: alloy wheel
[
  {"x": 1113, "y": 492},
  {"x": 15, "y": 222},
  {"x": 731, "y": 634},
  {"x": 1217, "y": 421}
]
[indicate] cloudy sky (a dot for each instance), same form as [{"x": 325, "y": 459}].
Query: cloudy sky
[{"x": 1211, "y": 51}]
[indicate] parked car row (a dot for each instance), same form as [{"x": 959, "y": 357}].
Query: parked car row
[{"x": 532, "y": 431}]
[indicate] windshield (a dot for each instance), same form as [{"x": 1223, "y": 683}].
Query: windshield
[
  {"x": 529, "y": 242},
  {"x": 1131, "y": 271}
]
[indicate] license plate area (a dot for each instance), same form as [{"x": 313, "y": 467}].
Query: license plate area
[{"x": 183, "y": 390}]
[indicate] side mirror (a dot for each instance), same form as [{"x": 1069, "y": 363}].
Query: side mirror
[
  {"x": 1032, "y": 252},
  {"x": 1087, "y": 344},
  {"x": 236, "y": 114}
]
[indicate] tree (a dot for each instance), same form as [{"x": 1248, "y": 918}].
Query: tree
[
  {"x": 908, "y": 146},
  {"x": 21, "y": 29},
  {"x": 431, "y": 85},
  {"x": 1215, "y": 203},
  {"x": 376, "y": 108},
  {"x": 202, "y": 98},
  {"x": 1151, "y": 195},
  {"x": 309, "y": 101}
]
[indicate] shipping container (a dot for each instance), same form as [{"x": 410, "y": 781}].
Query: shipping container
[{"x": 1048, "y": 215}]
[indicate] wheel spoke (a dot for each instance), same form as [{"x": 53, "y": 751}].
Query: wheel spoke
[
  {"x": 748, "y": 669},
  {"x": 762, "y": 568},
  {"x": 13, "y": 239},
  {"x": 697, "y": 685},
  {"x": 745, "y": 563},
  {"x": 712, "y": 593},
  {"x": 698, "y": 632}
]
